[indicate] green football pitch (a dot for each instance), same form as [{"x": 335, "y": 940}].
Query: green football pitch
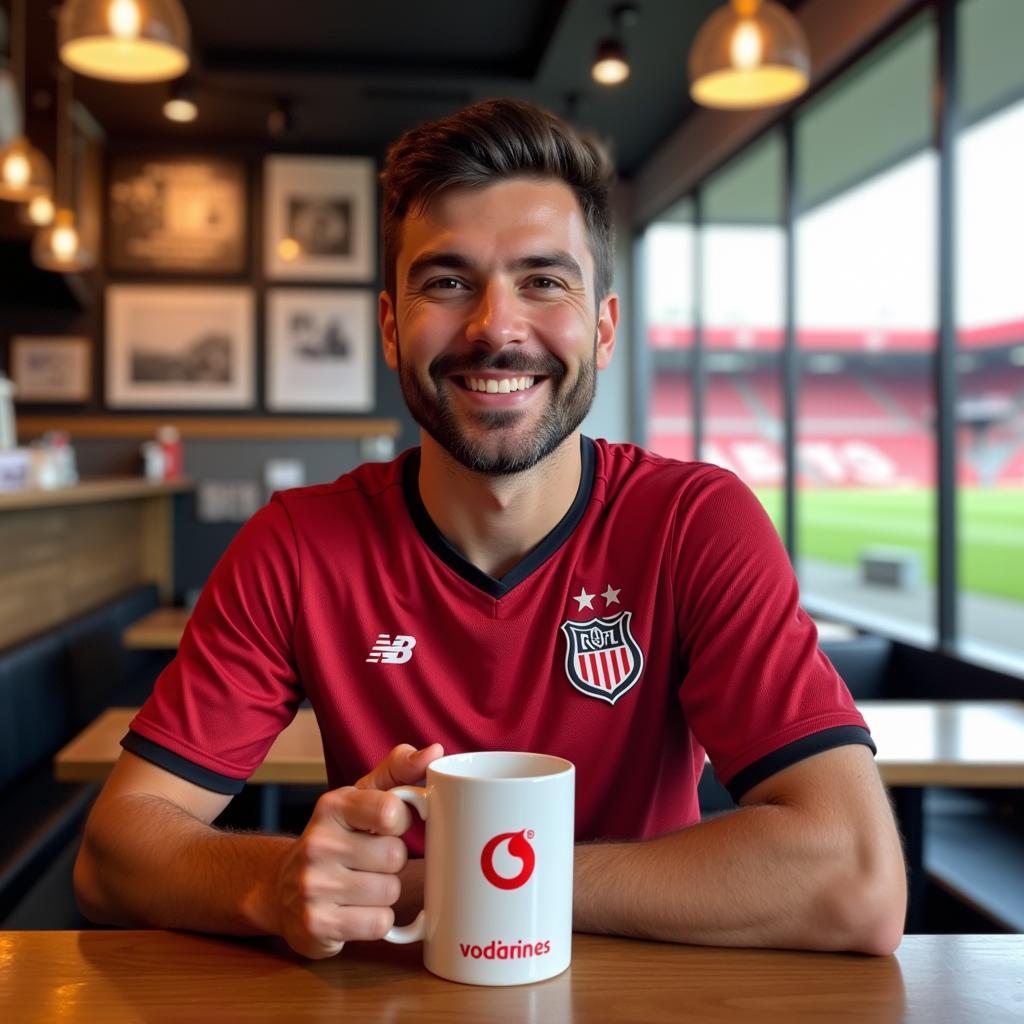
[{"x": 837, "y": 526}]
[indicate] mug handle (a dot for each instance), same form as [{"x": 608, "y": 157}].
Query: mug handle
[{"x": 414, "y": 796}]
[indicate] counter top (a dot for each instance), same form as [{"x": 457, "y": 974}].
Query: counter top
[{"x": 90, "y": 491}]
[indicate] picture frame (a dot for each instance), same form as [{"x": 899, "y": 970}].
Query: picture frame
[
  {"x": 177, "y": 215},
  {"x": 319, "y": 219},
  {"x": 51, "y": 368},
  {"x": 320, "y": 349},
  {"x": 179, "y": 347}
]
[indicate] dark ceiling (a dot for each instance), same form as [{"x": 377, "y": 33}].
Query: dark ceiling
[{"x": 357, "y": 75}]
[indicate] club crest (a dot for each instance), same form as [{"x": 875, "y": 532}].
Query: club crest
[{"x": 601, "y": 657}]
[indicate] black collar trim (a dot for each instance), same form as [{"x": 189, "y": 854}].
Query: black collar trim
[{"x": 440, "y": 545}]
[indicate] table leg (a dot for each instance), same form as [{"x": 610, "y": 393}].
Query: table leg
[
  {"x": 908, "y": 802},
  {"x": 270, "y": 807}
]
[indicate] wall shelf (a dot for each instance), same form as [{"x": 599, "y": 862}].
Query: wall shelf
[{"x": 248, "y": 428}]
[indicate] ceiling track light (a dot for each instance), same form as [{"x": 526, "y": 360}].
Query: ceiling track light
[
  {"x": 24, "y": 171},
  {"x": 124, "y": 40},
  {"x": 610, "y": 65},
  {"x": 749, "y": 54},
  {"x": 59, "y": 246},
  {"x": 180, "y": 104},
  {"x": 281, "y": 119}
]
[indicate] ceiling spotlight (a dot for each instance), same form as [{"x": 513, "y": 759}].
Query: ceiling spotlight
[
  {"x": 749, "y": 54},
  {"x": 124, "y": 40},
  {"x": 180, "y": 104},
  {"x": 281, "y": 119},
  {"x": 610, "y": 66}
]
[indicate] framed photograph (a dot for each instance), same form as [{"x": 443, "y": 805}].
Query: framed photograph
[
  {"x": 319, "y": 218},
  {"x": 320, "y": 349},
  {"x": 51, "y": 369},
  {"x": 179, "y": 347},
  {"x": 177, "y": 215}
]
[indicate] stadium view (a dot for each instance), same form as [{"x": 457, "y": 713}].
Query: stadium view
[{"x": 867, "y": 309}]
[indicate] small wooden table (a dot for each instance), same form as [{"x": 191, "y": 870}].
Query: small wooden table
[
  {"x": 297, "y": 755},
  {"x": 106, "y": 977},
  {"x": 920, "y": 743},
  {"x": 159, "y": 630}
]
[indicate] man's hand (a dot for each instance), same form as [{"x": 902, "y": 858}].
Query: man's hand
[{"x": 340, "y": 879}]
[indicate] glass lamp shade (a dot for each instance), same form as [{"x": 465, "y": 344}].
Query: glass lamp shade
[
  {"x": 39, "y": 211},
  {"x": 124, "y": 40},
  {"x": 24, "y": 171},
  {"x": 749, "y": 55},
  {"x": 59, "y": 247},
  {"x": 610, "y": 65}
]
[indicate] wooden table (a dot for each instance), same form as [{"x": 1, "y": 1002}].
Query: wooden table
[
  {"x": 159, "y": 630},
  {"x": 297, "y": 755},
  {"x": 101, "y": 977},
  {"x": 920, "y": 743}
]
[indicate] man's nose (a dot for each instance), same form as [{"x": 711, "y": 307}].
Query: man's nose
[{"x": 496, "y": 320}]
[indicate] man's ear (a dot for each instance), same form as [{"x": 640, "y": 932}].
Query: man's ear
[
  {"x": 388, "y": 329},
  {"x": 607, "y": 321}
]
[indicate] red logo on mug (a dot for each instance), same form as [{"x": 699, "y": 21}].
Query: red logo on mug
[{"x": 519, "y": 847}]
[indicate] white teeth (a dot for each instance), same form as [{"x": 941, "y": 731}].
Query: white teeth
[{"x": 499, "y": 387}]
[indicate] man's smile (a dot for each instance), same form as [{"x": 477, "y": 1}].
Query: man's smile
[{"x": 497, "y": 385}]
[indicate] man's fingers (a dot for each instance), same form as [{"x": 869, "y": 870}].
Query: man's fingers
[
  {"x": 325, "y": 929},
  {"x": 404, "y": 766},
  {"x": 365, "y": 810}
]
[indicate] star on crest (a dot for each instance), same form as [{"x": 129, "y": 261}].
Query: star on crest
[
  {"x": 611, "y": 596},
  {"x": 584, "y": 600}
]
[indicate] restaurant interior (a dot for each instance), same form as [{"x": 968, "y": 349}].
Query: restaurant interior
[{"x": 821, "y": 293}]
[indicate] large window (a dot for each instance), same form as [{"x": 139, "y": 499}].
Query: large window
[
  {"x": 867, "y": 256},
  {"x": 742, "y": 255},
  {"x": 866, "y": 322},
  {"x": 668, "y": 275},
  {"x": 990, "y": 325}
]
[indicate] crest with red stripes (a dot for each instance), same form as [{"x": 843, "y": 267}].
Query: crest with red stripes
[{"x": 601, "y": 657}]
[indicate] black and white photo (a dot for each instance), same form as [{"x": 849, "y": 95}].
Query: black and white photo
[
  {"x": 320, "y": 349},
  {"x": 51, "y": 369},
  {"x": 179, "y": 347},
  {"x": 319, "y": 218}
]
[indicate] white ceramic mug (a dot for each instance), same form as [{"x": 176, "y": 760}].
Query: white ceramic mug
[{"x": 497, "y": 901}]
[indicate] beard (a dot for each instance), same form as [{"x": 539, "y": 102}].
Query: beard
[{"x": 488, "y": 443}]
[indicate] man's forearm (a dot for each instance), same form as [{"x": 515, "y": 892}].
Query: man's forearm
[
  {"x": 147, "y": 863},
  {"x": 765, "y": 875}
]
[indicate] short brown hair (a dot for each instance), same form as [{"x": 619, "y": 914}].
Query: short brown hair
[{"x": 489, "y": 142}]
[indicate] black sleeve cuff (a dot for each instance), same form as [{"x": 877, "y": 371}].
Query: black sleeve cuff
[
  {"x": 798, "y": 750},
  {"x": 180, "y": 766}
]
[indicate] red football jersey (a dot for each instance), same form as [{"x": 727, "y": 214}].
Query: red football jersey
[{"x": 659, "y": 619}]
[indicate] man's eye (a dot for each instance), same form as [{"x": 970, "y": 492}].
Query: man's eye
[
  {"x": 545, "y": 283},
  {"x": 445, "y": 283}
]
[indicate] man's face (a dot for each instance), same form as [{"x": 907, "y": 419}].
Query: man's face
[{"x": 495, "y": 328}]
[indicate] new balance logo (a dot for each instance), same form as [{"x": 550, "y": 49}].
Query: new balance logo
[{"x": 392, "y": 652}]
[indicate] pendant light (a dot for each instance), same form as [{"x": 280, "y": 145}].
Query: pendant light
[
  {"x": 749, "y": 54},
  {"x": 124, "y": 40},
  {"x": 59, "y": 246},
  {"x": 24, "y": 170}
]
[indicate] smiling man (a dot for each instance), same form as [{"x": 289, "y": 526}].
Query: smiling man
[{"x": 509, "y": 584}]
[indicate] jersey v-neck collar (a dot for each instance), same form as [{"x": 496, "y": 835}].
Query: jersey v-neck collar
[{"x": 440, "y": 545}]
